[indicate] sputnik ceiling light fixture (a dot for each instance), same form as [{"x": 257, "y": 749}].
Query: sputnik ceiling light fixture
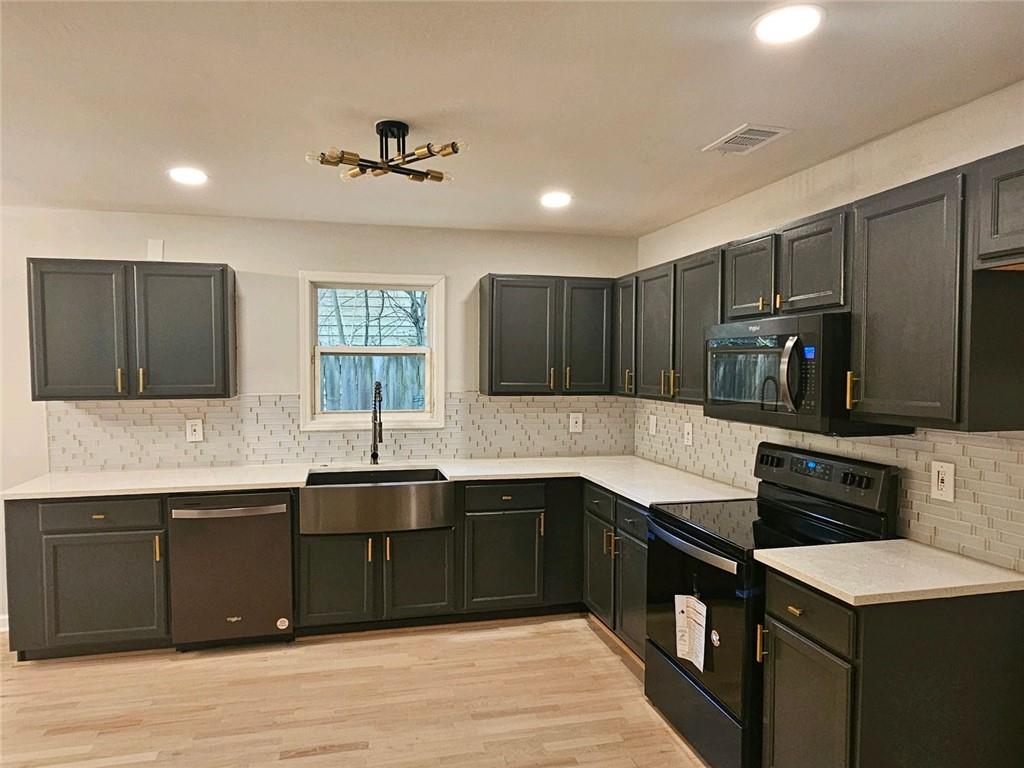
[{"x": 389, "y": 131}]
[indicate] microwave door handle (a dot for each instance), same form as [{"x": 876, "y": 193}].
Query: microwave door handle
[{"x": 784, "y": 372}]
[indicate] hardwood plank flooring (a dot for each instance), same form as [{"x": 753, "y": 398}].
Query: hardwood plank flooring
[{"x": 539, "y": 693}]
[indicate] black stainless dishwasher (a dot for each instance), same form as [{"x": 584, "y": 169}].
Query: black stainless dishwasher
[{"x": 231, "y": 567}]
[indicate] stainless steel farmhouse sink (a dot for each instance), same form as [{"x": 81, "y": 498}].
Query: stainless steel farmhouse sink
[{"x": 376, "y": 500}]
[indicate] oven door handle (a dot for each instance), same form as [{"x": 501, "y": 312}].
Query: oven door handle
[
  {"x": 784, "y": 372},
  {"x": 710, "y": 558}
]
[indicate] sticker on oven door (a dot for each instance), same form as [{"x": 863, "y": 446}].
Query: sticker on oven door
[{"x": 691, "y": 619}]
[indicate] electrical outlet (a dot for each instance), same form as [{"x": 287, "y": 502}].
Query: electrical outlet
[
  {"x": 194, "y": 430},
  {"x": 943, "y": 481},
  {"x": 688, "y": 434},
  {"x": 652, "y": 425},
  {"x": 575, "y": 422}
]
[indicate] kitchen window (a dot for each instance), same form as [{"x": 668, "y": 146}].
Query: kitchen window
[{"x": 358, "y": 329}]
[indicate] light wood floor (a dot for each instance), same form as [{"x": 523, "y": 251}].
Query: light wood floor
[{"x": 543, "y": 693}]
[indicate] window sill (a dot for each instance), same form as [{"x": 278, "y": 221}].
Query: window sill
[{"x": 361, "y": 422}]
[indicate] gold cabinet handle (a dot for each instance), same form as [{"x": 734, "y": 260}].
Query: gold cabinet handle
[
  {"x": 156, "y": 548},
  {"x": 850, "y": 379},
  {"x": 369, "y": 549},
  {"x": 387, "y": 548},
  {"x": 760, "y": 303},
  {"x": 611, "y": 549},
  {"x": 778, "y": 301},
  {"x": 568, "y": 377},
  {"x": 661, "y": 383},
  {"x": 541, "y": 521},
  {"x": 120, "y": 381},
  {"x": 142, "y": 380},
  {"x": 672, "y": 383},
  {"x": 551, "y": 379},
  {"x": 626, "y": 383},
  {"x": 604, "y": 540},
  {"x": 795, "y": 611},
  {"x": 759, "y": 650},
  {"x": 99, "y": 517}
]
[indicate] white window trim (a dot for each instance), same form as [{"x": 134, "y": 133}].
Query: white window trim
[{"x": 309, "y": 381}]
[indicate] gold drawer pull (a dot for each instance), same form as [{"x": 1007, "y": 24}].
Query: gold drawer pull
[
  {"x": 156, "y": 548},
  {"x": 99, "y": 517},
  {"x": 387, "y": 548},
  {"x": 369, "y": 549},
  {"x": 506, "y": 498},
  {"x": 794, "y": 610}
]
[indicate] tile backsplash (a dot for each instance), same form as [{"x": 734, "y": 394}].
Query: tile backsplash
[
  {"x": 986, "y": 522},
  {"x": 255, "y": 429}
]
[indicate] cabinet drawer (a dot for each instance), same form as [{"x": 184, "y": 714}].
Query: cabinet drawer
[
  {"x": 598, "y": 501},
  {"x": 482, "y": 498},
  {"x": 631, "y": 518},
  {"x": 100, "y": 515},
  {"x": 814, "y": 615}
]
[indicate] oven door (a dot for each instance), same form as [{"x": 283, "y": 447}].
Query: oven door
[
  {"x": 757, "y": 373},
  {"x": 679, "y": 565}
]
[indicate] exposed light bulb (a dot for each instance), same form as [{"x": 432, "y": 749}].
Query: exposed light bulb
[
  {"x": 352, "y": 173},
  {"x": 313, "y": 158}
]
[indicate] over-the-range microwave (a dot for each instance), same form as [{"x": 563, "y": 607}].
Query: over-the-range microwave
[{"x": 787, "y": 372}]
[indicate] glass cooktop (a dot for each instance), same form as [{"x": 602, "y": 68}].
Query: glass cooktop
[{"x": 731, "y": 521}]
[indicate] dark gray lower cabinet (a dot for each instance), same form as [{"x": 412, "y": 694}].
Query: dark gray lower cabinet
[
  {"x": 504, "y": 559},
  {"x": 104, "y": 587},
  {"x": 631, "y": 592},
  {"x": 419, "y": 573},
  {"x": 338, "y": 578},
  {"x": 598, "y": 568},
  {"x": 808, "y": 722}
]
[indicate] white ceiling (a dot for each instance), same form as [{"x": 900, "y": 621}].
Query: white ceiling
[{"x": 611, "y": 101}]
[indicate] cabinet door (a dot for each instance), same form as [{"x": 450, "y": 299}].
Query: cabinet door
[
  {"x": 104, "y": 587},
  {"x": 524, "y": 335},
  {"x": 631, "y": 592},
  {"x": 504, "y": 559},
  {"x": 749, "y": 278},
  {"x": 624, "y": 337},
  {"x": 339, "y": 578},
  {"x": 906, "y": 304},
  {"x": 807, "y": 703},
  {"x": 654, "y": 331},
  {"x": 698, "y": 306},
  {"x": 419, "y": 573},
  {"x": 812, "y": 257},
  {"x": 180, "y": 337},
  {"x": 586, "y": 335},
  {"x": 997, "y": 209},
  {"x": 77, "y": 329},
  {"x": 598, "y": 568}
]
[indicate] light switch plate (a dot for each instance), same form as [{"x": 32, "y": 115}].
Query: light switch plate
[
  {"x": 194, "y": 430},
  {"x": 943, "y": 481},
  {"x": 688, "y": 433},
  {"x": 575, "y": 422},
  {"x": 652, "y": 424}
]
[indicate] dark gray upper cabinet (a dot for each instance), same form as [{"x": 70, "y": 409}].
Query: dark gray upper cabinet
[
  {"x": 812, "y": 259},
  {"x": 586, "y": 337},
  {"x": 113, "y": 329},
  {"x": 624, "y": 337},
  {"x": 339, "y": 578},
  {"x": 504, "y": 558},
  {"x": 749, "y": 278},
  {"x": 631, "y": 592},
  {"x": 183, "y": 335},
  {"x": 996, "y": 210},
  {"x": 419, "y": 573},
  {"x": 106, "y": 587},
  {"x": 78, "y": 329},
  {"x": 906, "y": 306},
  {"x": 654, "y": 331},
  {"x": 808, "y": 703},
  {"x": 519, "y": 335},
  {"x": 599, "y": 568},
  {"x": 698, "y": 306}
]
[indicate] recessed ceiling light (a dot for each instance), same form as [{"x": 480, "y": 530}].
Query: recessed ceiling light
[
  {"x": 192, "y": 177},
  {"x": 555, "y": 199},
  {"x": 784, "y": 25}
]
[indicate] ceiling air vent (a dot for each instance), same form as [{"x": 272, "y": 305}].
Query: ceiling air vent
[{"x": 746, "y": 139}]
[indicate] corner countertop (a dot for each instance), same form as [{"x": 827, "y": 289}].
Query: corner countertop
[
  {"x": 891, "y": 571},
  {"x": 642, "y": 481}
]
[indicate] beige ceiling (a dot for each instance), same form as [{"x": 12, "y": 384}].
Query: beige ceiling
[{"x": 611, "y": 101}]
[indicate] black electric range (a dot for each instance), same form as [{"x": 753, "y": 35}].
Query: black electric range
[{"x": 705, "y": 551}]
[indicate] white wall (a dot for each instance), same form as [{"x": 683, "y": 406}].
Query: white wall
[
  {"x": 977, "y": 129},
  {"x": 267, "y": 256}
]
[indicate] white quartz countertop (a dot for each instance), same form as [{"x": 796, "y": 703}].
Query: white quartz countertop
[
  {"x": 892, "y": 571},
  {"x": 642, "y": 481}
]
